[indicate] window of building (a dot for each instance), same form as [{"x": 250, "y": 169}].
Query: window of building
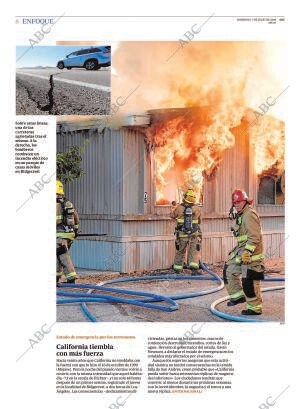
[{"x": 271, "y": 190}]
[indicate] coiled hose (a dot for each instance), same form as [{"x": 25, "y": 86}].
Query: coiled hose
[
  {"x": 148, "y": 300},
  {"x": 242, "y": 319}
]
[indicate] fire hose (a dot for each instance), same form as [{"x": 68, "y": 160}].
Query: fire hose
[
  {"x": 242, "y": 319},
  {"x": 83, "y": 298},
  {"x": 149, "y": 298}
]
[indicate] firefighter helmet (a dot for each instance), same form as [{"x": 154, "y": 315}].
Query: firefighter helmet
[
  {"x": 239, "y": 195},
  {"x": 59, "y": 188},
  {"x": 189, "y": 196}
]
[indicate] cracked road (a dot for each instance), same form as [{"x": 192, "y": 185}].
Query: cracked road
[{"x": 50, "y": 91}]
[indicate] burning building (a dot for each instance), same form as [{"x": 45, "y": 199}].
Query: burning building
[{"x": 133, "y": 171}]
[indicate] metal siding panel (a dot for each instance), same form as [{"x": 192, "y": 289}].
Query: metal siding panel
[
  {"x": 133, "y": 172},
  {"x": 109, "y": 227},
  {"x": 113, "y": 184},
  {"x": 97, "y": 255},
  {"x": 232, "y": 172},
  {"x": 272, "y": 223},
  {"x": 276, "y": 210},
  {"x": 149, "y": 255},
  {"x": 151, "y": 228},
  {"x": 99, "y": 190}
]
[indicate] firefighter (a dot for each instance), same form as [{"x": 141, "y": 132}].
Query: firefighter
[
  {"x": 245, "y": 266},
  {"x": 188, "y": 232},
  {"x": 67, "y": 224}
]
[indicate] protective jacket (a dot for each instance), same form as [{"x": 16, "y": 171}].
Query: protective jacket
[
  {"x": 179, "y": 213},
  {"x": 247, "y": 231},
  {"x": 67, "y": 219}
]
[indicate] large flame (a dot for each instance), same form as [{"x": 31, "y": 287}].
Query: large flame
[
  {"x": 268, "y": 140},
  {"x": 189, "y": 146},
  {"x": 227, "y": 77}
]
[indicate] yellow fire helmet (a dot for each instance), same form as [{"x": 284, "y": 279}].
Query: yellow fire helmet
[
  {"x": 59, "y": 188},
  {"x": 190, "y": 196}
]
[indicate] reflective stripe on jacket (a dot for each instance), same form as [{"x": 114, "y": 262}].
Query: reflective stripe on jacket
[{"x": 249, "y": 234}]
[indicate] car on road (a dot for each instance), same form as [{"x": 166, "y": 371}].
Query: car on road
[{"x": 91, "y": 58}]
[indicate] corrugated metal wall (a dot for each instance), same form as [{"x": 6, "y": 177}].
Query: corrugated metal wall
[
  {"x": 100, "y": 189},
  {"x": 98, "y": 255},
  {"x": 215, "y": 247},
  {"x": 114, "y": 171},
  {"x": 110, "y": 198},
  {"x": 217, "y": 192},
  {"x": 134, "y": 170},
  {"x": 153, "y": 253}
]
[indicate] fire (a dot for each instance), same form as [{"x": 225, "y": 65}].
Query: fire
[
  {"x": 189, "y": 147},
  {"x": 267, "y": 138},
  {"x": 223, "y": 80}
]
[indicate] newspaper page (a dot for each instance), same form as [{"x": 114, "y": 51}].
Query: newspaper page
[{"x": 162, "y": 135}]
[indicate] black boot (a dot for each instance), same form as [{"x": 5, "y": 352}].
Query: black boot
[
  {"x": 72, "y": 281},
  {"x": 250, "y": 312},
  {"x": 231, "y": 303},
  {"x": 196, "y": 272}
]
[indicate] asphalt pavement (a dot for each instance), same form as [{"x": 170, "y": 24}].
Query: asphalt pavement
[{"x": 50, "y": 91}]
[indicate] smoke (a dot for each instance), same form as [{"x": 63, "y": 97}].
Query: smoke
[
  {"x": 218, "y": 82},
  {"x": 201, "y": 73}
]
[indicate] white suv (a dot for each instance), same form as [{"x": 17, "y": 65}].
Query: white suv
[{"x": 91, "y": 58}]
